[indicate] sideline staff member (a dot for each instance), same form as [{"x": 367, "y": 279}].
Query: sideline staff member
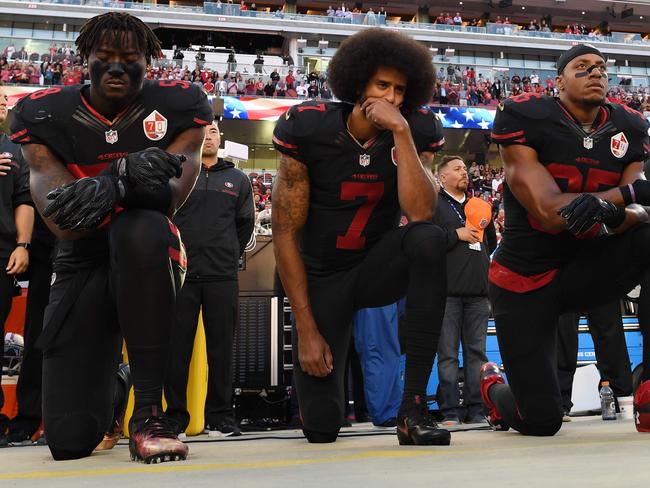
[
  {"x": 467, "y": 309},
  {"x": 216, "y": 223},
  {"x": 16, "y": 223}
]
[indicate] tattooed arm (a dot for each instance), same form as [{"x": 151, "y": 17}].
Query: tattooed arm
[
  {"x": 47, "y": 172},
  {"x": 290, "y": 210}
]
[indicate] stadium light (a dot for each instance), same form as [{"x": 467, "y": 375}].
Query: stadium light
[
  {"x": 434, "y": 51},
  {"x": 323, "y": 44},
  {"x": 302, "y": 43},
  {"x": 610, "y": 62},
  {"x": 449, "y": 52}
]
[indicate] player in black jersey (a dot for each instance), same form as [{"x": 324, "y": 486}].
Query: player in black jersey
[
  {"x": 574, "y": 238},
  {"x": 346, "y": 170},
  {"x": 106, "y": 173}
]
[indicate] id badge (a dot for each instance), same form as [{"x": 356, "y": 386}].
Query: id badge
[{"x": 475, "y": 247}]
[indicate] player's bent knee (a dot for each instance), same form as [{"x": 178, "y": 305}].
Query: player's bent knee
[
  {"x": 322, "y": 415},
  {"x": 139, "y": 233},
  {"x": 424, "y": 242},
  {"x": 73, "y": 436},
  {"x": 314, "y": 437},
  {"x": 545, "y": 429}
]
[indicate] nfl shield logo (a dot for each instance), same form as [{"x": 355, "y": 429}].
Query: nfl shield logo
[
  {"x": 155, "y": 126},
  {"x": 228, "y": 184},
  {"x": 111, "y": 136},
  {"x": 364, "y": 160},
  {"x": 619, "y": 145}
]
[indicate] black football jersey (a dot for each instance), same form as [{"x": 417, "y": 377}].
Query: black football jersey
[
  {"x": 353, "y": 197},
  {"x": 529, "y": 256},
  {"x": 62, "y": 119}
]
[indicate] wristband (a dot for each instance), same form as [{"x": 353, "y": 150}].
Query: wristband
[
  {"x": 629, "y": 196},
  {"x": 26, "y": 245}
]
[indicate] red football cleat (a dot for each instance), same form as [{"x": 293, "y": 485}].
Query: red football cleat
[
  {"x": 642, "y": 407},
  {"x": 491, "y": 374},
  {"x": 153, "y": 439}
]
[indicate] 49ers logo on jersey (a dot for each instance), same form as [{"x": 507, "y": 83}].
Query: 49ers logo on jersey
[
  {"x": 155, "y": 126},
  {"x": 619, "y": 145}
]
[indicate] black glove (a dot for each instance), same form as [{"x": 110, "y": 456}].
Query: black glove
[
  {"x": 83, "y": 204},
  {"x": 587, "y": 209},
  {"x": 150, "y": 168}
]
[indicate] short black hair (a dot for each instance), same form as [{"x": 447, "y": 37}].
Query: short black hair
[
  {"x": 113, "y": 27},
  {"x": 357, "y": 59},
  {"x": 446, "y": 160}
]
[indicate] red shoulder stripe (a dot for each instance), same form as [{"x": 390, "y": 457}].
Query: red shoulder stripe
[
  {"x": 284, "y": 144},
  {"x": 510, "y": 135},
  {"x": 18, "y": 134}
]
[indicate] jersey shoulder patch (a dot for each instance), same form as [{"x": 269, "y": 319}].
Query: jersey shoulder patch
[
  {"x": 533, "y": 106},
  {"x": 177, "y": 95}
]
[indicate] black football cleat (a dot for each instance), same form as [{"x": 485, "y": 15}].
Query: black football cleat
[
  {"x": 120, "y": 401},
  {"x": 490, "y": 374},
  {"x": 416, "y": 427},
  {"x": 153, "y": 438}
]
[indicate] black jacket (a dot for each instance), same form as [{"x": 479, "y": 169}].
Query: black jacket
[
  {"x": 14, "y": 191},
  {"x": 467, "y": 270},
  {"x": 216, "y": 222}
]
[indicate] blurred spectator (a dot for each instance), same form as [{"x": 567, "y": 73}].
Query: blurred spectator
[{"x": 258, "y": 64}]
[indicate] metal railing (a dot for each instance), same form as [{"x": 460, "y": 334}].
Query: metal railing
[{"x": 233, "y": 10}]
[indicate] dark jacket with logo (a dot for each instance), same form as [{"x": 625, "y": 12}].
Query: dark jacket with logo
[
  {"x": 467, "y": 270},
  {"x": 14, "y": 191},
  {"x": 216, "y": 222}
]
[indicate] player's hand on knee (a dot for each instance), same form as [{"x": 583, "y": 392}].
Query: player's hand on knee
[
  {"x": 582, "y": 213},
  {"x": 149, "y": 168},
  {"x": 83, "y": 204},
  {"x": 587, "y": 209},
  {"x": 315, "y": 355}
]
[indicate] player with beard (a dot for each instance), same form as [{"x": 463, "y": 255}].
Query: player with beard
[
  {"x": 575, "y": 236},
  {"x": 106, "y": 174},
  {"x": 346, "y": 170}
]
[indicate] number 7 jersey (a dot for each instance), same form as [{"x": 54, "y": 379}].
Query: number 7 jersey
[
  {"x": 529, "y": 257},
  {"x": 353, "y": 198}
]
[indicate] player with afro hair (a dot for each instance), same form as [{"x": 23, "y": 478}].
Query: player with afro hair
[{"x": 358, "y": 58}]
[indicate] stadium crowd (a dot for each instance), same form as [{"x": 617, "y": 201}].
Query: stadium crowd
[{"x": 455, "y": 85}]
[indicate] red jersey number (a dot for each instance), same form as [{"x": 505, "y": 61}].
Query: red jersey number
[
  {"x": 350, "y": 191},
  {"x": 577, "y": 184}
]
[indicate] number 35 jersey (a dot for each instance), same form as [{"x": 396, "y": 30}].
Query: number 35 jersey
[
  {"x": 353, "y": 198},
  {"x": 579, "y": 161}
]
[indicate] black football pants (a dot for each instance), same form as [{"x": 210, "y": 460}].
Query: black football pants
[
  {"x": 219, "y": 302},
  {"x": 606, "y": 329},
  {"x": 526, "y": 323},
  {"x": 409, "y": 261},
  {"x": 131, "y": 294}
]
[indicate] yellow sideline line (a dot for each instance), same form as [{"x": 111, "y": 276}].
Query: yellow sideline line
[{"x": 178, "y": 467}]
